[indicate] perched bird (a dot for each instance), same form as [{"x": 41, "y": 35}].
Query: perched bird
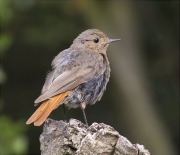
[{"x": 79, "y": 76}]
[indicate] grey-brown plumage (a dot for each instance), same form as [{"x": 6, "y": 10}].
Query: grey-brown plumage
[{"x": 79, "y": 73}]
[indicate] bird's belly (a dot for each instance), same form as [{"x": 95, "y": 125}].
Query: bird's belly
[{"x": 89, "y": 92}]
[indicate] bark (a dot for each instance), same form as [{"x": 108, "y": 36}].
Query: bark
[{"x": 75, "y": 138}]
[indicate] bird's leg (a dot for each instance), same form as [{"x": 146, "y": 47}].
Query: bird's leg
[
  {"x": 85, "y": 116},
  {"x": 83, "y": 105},
  {"x": 64, "y": 113}
]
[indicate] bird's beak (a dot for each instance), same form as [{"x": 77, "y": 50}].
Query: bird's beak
[
  {"x": 109, "y": 41},
  {"x": 112, "y": 40}
]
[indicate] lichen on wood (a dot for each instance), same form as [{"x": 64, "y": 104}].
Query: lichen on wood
[{"x": 75, "y": 138}]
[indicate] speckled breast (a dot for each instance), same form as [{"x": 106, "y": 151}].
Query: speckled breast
[{"x": 89, "y": 92}]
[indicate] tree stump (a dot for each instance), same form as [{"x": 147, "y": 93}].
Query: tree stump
[{"x": 75, "y": 138}]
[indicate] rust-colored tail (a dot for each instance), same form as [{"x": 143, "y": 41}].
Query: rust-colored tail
[{"x": 40, "y": 115}]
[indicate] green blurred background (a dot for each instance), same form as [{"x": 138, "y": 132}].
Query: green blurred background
[{"x": 142, "y": 97}]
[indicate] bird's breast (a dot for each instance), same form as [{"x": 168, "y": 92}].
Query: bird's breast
[{"x": 89, "y": 92}]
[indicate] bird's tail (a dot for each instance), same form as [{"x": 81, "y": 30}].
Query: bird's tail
[{"x": 40, "y": 115}]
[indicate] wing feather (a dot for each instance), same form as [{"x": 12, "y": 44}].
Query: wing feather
[
  {"x": 69, "y": 74},
  {"x": 65, "y": 82}
]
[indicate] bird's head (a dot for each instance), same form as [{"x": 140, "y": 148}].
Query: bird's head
[{"x": 92, "y": 40}]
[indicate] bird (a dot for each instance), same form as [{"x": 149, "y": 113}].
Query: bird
[{"x": 78, "y": 77}]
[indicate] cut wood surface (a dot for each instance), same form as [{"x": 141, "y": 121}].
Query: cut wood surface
[{"x": 75, "y": 138}]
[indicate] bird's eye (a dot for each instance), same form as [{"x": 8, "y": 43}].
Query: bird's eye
[{"x": 96, "y": 40}]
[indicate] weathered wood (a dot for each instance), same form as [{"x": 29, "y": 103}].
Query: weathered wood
[{"x": 75, "y": 138}]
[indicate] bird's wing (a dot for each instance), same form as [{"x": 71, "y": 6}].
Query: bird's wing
[
  {"x": 64, "y": 82},
  {"x": 68, "y": 79}
]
